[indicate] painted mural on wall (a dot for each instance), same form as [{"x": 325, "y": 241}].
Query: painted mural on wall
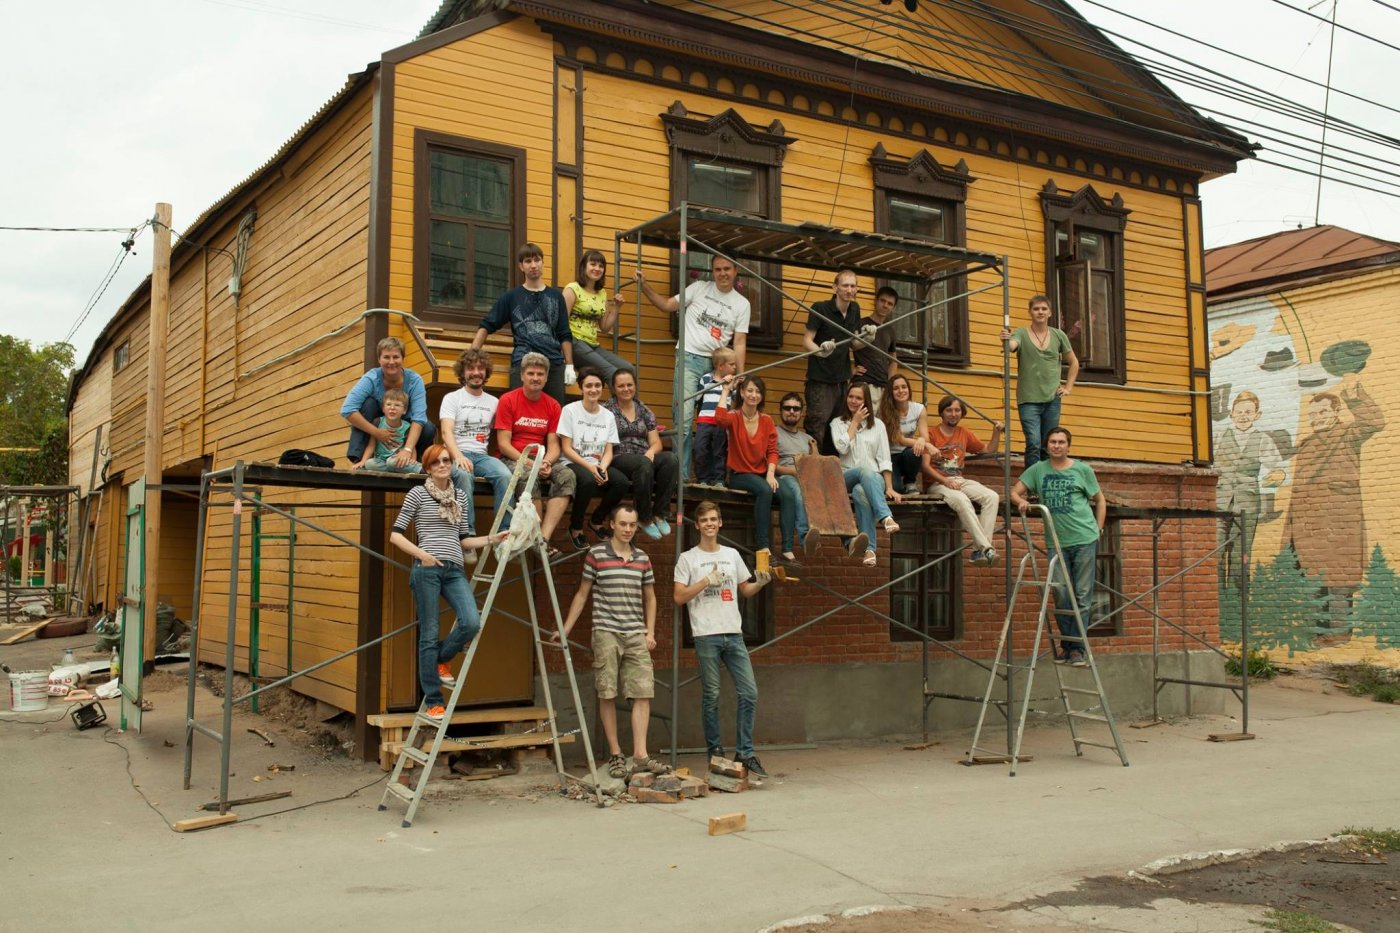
[{"x": 1299, "y": 420}]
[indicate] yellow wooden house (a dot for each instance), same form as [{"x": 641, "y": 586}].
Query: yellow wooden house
[{"x": 1013, "y": 128}]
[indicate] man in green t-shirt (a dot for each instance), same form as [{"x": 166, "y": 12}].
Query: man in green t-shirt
[
  {"x": 1070, "y": 491},
  {"x": 1040, "y": 349}
]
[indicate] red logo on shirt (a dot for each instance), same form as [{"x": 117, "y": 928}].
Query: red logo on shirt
[
  {"x": 727, "y": 595},
  {"x": 716, "y": 333}
]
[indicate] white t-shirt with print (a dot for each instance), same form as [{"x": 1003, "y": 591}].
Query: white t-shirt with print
[
  {"x": 908, "y": 425},
  {"x": 713, "y": 317},
  {"x": 590, "y": 433},
  {"x": 472, "y": 419},
  {"x": 716, "y": 610}
]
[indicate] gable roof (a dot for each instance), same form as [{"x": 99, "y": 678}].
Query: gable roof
[
  {"x": 1293, "y": 257},
  {"x": 1040, "y": 51}
]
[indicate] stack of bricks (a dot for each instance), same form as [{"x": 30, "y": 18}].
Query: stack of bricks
[
  {"x": 728, "y": 776},
  {"x": 645, "y": 787}
]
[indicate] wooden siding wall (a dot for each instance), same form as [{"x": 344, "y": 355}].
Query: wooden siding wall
[
  {"x": 825, "y": 178},
  {"x": 941, "y": 41},
  {"x": 305, "y": 276}
]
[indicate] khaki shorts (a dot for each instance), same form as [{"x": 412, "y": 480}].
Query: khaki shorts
[
  {"x": 625, "y": 653},
  {"x": 562, "y": 482}
]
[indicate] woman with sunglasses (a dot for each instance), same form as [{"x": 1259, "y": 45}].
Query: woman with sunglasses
[
  {"x": 592, "y": 314},
  {"x": 438, "y": 511}
]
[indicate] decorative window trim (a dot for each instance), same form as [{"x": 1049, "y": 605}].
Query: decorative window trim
[
  {"x": 1087, "y": 208},
  {"x": 121, "y": 356},
  {"x": 728, "y": 137},
  {"x": 922, "y": 176},
  {"x": 423, "y": 142}
]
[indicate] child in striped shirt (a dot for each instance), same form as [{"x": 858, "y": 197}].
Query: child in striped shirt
[{"x": 711, "y": 441}]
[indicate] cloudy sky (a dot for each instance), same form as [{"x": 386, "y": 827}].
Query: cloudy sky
[{"x": 115, "y": 106}]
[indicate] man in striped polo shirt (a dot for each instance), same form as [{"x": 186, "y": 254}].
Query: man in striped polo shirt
[{"x": 624, "y": 634}]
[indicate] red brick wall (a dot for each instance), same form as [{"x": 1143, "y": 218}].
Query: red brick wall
[{"x": 855, "y": 635}]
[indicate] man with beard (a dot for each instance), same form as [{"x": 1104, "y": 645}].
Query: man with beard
[{"x": 468, "y": 416}]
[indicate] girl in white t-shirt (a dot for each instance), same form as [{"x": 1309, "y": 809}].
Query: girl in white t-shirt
[
  {"x": 587, "y": 433},
  {"x": 864, "y": 448},
  {"x": 906, "y": 423}
]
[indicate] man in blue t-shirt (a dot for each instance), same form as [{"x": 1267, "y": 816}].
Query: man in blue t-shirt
[
  {"x": 1070, "y": 491},
  {"x": 539, "y": 323}
]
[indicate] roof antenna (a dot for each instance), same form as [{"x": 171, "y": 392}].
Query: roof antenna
[{"x": 1326, "y": 99}]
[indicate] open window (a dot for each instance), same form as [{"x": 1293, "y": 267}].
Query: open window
[
  {"x": 922, "y": 200},
  {"x": 726, "y": 163},
  {"x": 1084, "y": 261}
]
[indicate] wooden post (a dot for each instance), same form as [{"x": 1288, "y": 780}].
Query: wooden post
[
  {"x": 26, "y": 523},
  {"x": 155, "y": 417}
]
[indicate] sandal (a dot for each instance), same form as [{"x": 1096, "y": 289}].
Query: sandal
[
  {"x": 554, "y": 553},
  {"x": 891, "y": 526},
  {"x": 870, "y": 560},
  {"x": 650, "y": 765},
  {"x": 617, "y": 767}
]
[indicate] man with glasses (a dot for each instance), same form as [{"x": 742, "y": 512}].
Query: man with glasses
[{"x": 793, "y": 442}]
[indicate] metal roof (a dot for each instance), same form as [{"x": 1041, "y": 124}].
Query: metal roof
[
  {"x": 809, "y": 245},
  {"x": 1292, "y": 258}
]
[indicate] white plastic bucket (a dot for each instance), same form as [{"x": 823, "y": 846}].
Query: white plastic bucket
[{"x": 29, "y": 690}]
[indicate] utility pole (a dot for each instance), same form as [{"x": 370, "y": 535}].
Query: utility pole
[{"x": 155, "y": 427}]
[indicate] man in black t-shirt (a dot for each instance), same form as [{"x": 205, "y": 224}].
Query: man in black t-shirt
[
  {"x": 875, "y": 362},
  {"x": 830, "y": 327}
]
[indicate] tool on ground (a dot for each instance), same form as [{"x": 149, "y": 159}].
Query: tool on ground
[
  {"x": 1005, "y": 668},
  {"x": 526, "y": 541}
]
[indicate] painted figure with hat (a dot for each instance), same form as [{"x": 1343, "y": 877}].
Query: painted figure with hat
[{"x": 1244, "y": 454}]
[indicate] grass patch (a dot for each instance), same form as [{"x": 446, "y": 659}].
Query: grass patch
[
  {"x": 1381, "y": 684},
  {"x": 1260, "y": 667},
  {"x": 1386, "y": 840},
  {"x": 1294, "y": 921}
]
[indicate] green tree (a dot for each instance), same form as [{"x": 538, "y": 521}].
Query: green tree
[
  {"x": 33, "y": 391},
  {"x": 1376, "y": 609},
  {"x": 1285, "y": 604}
]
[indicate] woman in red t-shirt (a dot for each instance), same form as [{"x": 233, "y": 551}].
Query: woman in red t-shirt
[{"x": 753, "y": 461}]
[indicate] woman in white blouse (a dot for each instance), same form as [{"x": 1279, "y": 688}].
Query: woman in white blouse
[
  {"x": 863, "y": 445},
  {"x": 906, "y": 422}
]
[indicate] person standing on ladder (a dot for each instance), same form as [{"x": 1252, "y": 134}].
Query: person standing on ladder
[
  {"x": 709, "y": 579},
  {"x": 438, "y": 511},
  {"x": 624, "y": 635},
  {"x": 1070, "y": 491},
  {"x": 1039, "y": 351}
]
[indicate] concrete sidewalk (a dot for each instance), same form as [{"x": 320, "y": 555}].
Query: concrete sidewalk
[{"x": 837, "y": 827}]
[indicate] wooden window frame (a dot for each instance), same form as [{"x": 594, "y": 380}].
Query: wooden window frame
[
  {"x": 1108, "y": 580},
  {"x": 928, "y": 525},
  {"x": 921, "y": 178},
  {"x": 424, "y": 142},
  {"x": 121, "y": 356},
  {"x": 1086, "y": 208},
  {"x": 728, "y": 139}
]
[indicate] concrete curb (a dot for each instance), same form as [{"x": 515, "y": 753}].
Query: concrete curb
[
  {"x": 848, "y": 914},
  {"x": 1190, "y": 861}
]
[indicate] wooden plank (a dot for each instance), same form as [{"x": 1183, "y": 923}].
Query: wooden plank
[
  {"x": 26, "y": 632},
  {"x": 496, "y": 714},
  {"x": 204, "y": 822},
  {"x": 824, "y": 493},
  {"x": 728, "y": 823},
  {"x": 261, "y": 798}
]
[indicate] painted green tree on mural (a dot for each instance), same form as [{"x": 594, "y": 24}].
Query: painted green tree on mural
[
  {"x": 1285, "y": 605},
  {"x": 1230, "y": 609},
  {"x": 1376, "y": 609}
]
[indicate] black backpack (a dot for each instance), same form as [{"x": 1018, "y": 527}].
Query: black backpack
[{"x": 304, "y": 458}]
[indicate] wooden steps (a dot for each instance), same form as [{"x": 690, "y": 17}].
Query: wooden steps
[{"x": 394, "y": 727}]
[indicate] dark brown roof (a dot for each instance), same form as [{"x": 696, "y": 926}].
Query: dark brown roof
[{"x": 1291, "y": 258}]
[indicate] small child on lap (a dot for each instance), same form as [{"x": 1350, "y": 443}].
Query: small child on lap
[{"x": 382, "y": 457}]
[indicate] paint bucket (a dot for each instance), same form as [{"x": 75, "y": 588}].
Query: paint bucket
[{"x": 29, "y": 690}]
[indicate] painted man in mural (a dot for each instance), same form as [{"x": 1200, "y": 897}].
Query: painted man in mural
[
  {"x": 1243, "y": 454},
  {"x": 1326, "y": 522}
]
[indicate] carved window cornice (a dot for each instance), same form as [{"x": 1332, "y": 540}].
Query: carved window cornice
[
  {"x": 1086, "y": 207},
  {"x": 920, "y": 175},
  {"x": 726, "y": 135}
]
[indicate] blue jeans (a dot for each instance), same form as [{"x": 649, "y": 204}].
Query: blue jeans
[
  {"x": 428, "y": 583},
  {"x": 371, "y": 412},
  {"x": 711, "y": 448},
  {"x": 1037, "y": 420},
  {"x": 763, "y": 508},
  {"x": 487, "y": 467},
  {"x": 1078, "y": 569},
  {"x": 695, "y": 367},
  {"x": 870, "y": 507},
  {"x": 586, "y": 355},
  {"x": 790, "y": 491},
  {"x": 729, "y": 649}
]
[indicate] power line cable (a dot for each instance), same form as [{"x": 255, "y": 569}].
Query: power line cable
[
  {"x": 122, "y": 253},
  {"x": 68, "y": 229},
  {"x": 1355, "y": 32}
]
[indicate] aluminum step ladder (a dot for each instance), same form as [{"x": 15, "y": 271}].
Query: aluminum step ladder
[
  {"x": 495, "y": 562},
  {"x": 1080, "y": 690}
]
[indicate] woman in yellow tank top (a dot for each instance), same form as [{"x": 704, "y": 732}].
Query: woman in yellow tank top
[{"x": 591, "y": 314}]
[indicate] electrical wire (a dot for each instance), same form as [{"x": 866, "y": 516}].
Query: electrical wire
[
  {"x": 68, "y": 229},
  {"x": 1355, "y": 32},
  {"x": 111, "y": 274}
]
